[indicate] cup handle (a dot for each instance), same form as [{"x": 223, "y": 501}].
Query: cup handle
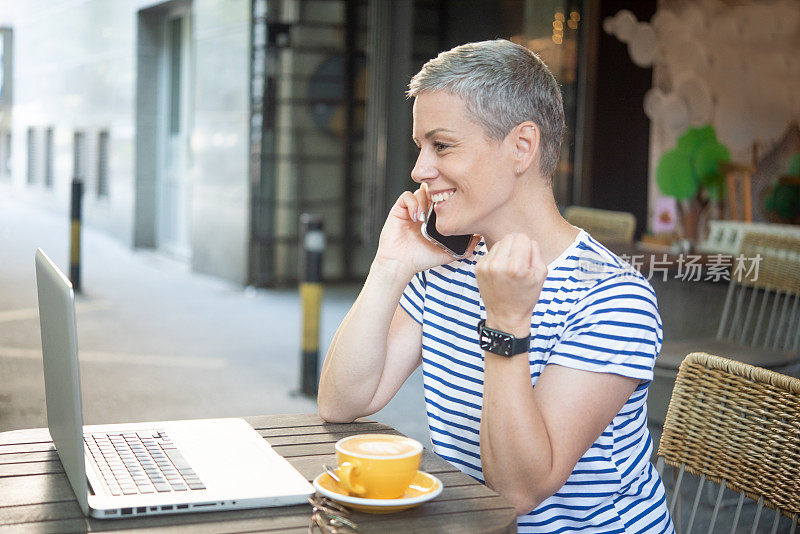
[{"x": 346, "y": 470}]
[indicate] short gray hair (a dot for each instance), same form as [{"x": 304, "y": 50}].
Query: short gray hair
[{"x": 502, "y": 85}]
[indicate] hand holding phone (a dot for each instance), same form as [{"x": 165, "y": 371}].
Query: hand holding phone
[{"x": 455, "y": 245}]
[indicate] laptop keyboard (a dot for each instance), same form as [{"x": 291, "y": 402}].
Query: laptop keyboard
[{"x": 141, "y": 462}]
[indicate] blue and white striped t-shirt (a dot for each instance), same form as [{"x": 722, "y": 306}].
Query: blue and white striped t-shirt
[{"x": 594, "y": 313}]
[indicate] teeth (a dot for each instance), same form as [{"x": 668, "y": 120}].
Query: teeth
[{"x": 441, "y": 197}]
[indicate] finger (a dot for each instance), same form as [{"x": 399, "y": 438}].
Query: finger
[
  {"x": 537, "y": 258},
  {"x": 502, "y": 249},
  {"x": 421, "y": 195},
  {"x": 473, "y": 243},
  {"x": 523, "y": 252},
  {"x": 496, "y": 258},
  {"x": 518, "y": 255},
  {"x": 410, "y": 204},
  {"x": 427, "y": 190}
]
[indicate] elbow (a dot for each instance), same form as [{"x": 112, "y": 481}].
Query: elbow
[
  {"x": 326, "y": 405},
  {"x": 329, "y": 414},
  {"x": 333, "y": 417},
  {"x": 324, "y": 412},
  {"x": 333, "y": 407},
  {"x": 526, "y": 500},
  {"x": 522, "y": 499},
  {"x": 330, "y": 411},
  {"x": 523, "y": 504},
  {"x": 524, "y": 509}
]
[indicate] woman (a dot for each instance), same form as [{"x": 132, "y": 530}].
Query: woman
[{"x": 559, "y": 426}]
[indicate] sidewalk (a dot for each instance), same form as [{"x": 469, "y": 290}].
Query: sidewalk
[{"x": 157, "y": 341}]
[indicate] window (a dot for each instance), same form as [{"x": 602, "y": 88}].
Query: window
[
  {"x": 102, "y": 164},
  {"x": 5, "y": 154},
  {"x": 48, "y": 158},
  {"x": 176, "y": 37},
  {"x": 32, "y": 149},
  {"x": 79, "y": 155},
  {"x": 6, "y": 66}
]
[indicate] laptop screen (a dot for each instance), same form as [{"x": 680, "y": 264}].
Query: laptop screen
[{"x": 61, "y": 373}]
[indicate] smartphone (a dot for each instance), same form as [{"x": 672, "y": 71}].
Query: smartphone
[{"x": 455, "y": 245}]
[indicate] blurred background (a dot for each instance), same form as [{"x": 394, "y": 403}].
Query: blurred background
[{"x": 202, "y": 130}]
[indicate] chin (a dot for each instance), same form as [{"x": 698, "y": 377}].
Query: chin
[{"x": 447, "y": 230}]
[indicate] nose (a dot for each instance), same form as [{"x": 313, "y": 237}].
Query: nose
[{"x": 424, "y": 169}]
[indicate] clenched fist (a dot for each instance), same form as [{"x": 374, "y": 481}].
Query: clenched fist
[{"x": 510, "y": 278}]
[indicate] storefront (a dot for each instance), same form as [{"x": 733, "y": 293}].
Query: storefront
[{"x": 331, "y": 128}]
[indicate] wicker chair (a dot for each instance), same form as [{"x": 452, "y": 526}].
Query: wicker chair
[
  {"x": 604, "y": 225},
  {"x": 760, "y": 323},
  {"x": 738, "y": 426}
]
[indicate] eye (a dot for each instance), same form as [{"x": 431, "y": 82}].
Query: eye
[{"x": 440, "y": 147}]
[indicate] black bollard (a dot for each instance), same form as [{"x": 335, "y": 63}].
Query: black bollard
[
  {"x": 313, "y": 245},
  {"x": 75, "y": 234}
]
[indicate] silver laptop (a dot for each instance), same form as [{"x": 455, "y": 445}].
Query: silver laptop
[{"x": 128, "y": 470}]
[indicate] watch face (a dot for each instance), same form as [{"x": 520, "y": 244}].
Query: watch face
[{"x": 496, "y": 342}]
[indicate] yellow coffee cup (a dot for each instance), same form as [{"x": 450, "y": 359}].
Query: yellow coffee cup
[{"x": 377, "y": 466}]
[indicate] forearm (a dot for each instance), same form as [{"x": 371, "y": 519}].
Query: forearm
[
  {"x": 516, "y": 451},
  {"x": 356, "y": 357}
]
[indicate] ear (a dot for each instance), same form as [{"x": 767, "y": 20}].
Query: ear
[{"x": 526, "y": 138}]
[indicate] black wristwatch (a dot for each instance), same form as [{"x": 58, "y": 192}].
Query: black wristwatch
[{"x": 500, "y": 342}]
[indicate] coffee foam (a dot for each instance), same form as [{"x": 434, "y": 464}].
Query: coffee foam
[{"x": 372, "y": 446}]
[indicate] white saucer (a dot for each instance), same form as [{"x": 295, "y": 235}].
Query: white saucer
[{"x": 424, "y": 488}]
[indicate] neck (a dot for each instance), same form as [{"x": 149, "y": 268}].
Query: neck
[{"x": 532, "y": 211}]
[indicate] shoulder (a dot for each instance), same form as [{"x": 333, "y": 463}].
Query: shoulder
[
  {"x": 608, "y": 282},
  {"x": 587, "y": 263},
  {"x": 613, "y": 326}
]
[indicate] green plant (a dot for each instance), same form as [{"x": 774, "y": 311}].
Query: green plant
[
  {"x": 691, "y": 169},
  {"x": 690, "y": 173}
]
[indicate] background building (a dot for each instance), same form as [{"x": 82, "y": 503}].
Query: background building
[
  {"x": 147, "y": 103},
  {"x": 205, "y": 128}
]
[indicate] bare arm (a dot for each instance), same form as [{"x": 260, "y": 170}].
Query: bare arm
[
  {"x": 531, "y": 438},
  {"x": 378, "y": 345},
  {"x": 376, "y": 348}
]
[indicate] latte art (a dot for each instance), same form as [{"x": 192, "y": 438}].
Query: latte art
[{"x": 379, "y": 446}]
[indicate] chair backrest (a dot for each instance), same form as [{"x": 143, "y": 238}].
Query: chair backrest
[
  {"x": 604, "y": 225},
  {"x": 725, "y": 237},
  {"x": 739, "y": 426},
  {"x": 762, "y": 306}
]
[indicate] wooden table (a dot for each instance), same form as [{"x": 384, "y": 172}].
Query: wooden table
[{"x": 35, "y": 495}]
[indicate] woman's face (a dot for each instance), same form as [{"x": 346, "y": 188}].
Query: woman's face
[{"x": 470, "y": 175}]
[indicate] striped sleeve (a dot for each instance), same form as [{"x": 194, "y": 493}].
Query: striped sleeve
[
  {"x": 615, "y": 329},
  {"x": 413, "y": 298}
]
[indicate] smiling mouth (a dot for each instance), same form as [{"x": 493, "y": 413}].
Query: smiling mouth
[{"x": 441, "y": 197}]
